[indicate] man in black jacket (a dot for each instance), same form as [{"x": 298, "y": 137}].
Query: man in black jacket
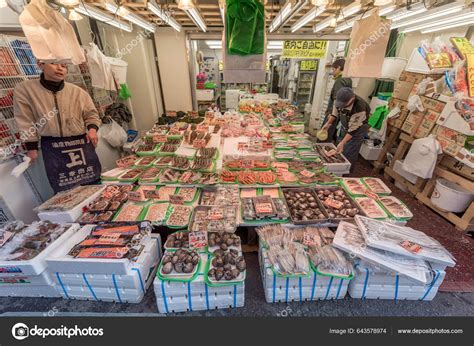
[
  {"x": 353, "y": 113},
  {"x": 339, "y": 82}
]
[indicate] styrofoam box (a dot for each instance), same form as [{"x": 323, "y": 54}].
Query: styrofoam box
[
  {"x": 173, "y": 296},
  {"x": 115, "y": 286},
  {"x": 314, "y": 287},
  {"x": 370, "y": 283},
  {"x": 369, "y": 152},
  {"x": 36, "y": 265},
  {"x": 69, "y": 215},
  {"x": 28, "y": 286},
  {"x": 336, "y": 168},
  {"x": 397, "y": 167}
]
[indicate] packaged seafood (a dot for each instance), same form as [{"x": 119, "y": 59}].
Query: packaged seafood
[
  {"x": 287, "y": 178},
  {"x": 396, "y": 207},
  {"x": 113, "y": 174},
  {"x": 371, "y": 208},
  {"x": 164, "y": 161},
  {"x": 181, "y": 263},
  {"x": 147, "y": 149},
  {"x": 187, "y": 193},
  {"x": 354, "y": 186},
  {"x": 168, "y": 148},
  {"x": 214, "y": 219},
  {"x": 323, "y": 151},
  {"x": 177, "y": 240},
  {"x": 150, "y": 175},
  {"x": 180, "y": 163},
  {"x": 337, "y": 203},
  {"x": 220, "y": 195},
  {"x": 227, "y": 266},
  {"x": 105, "y": 216},
  {"x": 164, "y": 192},
  {"x": 190, "y": 177},
  {"x": 203, "y": 164},
  {"x": 179, "y": 216},
  {"x": 264, "y": 206},
  {"x": 69, "y": 199},
  {"x": 228, "y": 176},
  {"x": 304, "y": 206},
  {"x": 207, "y": 153},
  {"x": 247, "y": 177},
  {"x": 145, "y": 161},
  {"x": 156, "y": 212},
  {"x": 129, "y": 212},
  {"x": 248, "y": 193},
  {"x": 377, "y": 186},
  {"x": 281, "y": 209},
  {"x": 169, "y": 176},
  {"x": 132, "y": 175},
  {"x": 209, "y": 179},
  {"x": 266, "y": 177}
]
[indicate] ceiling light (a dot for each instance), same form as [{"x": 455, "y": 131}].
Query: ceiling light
[
  {"x": 308, "y": 17},
  {"x": 286, "y": 13},
  {"x": 350, "y": 24},
  {"x": 349, "y": 11},
  {"x": 213, "y": 43},
  {"x": 73, "y": 15},
  {"x": 193, "y": 13},
  {"x": 186, "y": 5},
  {"x": 163, "y": 15},
  {"x": 380, "y": 3},
  {"x": 431, "y": 14},
  {"x": 324, "y": 24},
  {"x": 123, "y": 12},
  {"x": 69, "y": 3},
  {"x": 215, "y": 47},
  {"x": 319, "y": 3},
  {"x": 103, "y": 17},
  {"x": 442, "y": 22},
  {"x": 449, "y": 26},
  {"x": 405, "y": 12},
  {"x": 3, "y": 3},
  {"x": 222, "y": 9},
  {"x": 386, "y": 10}
]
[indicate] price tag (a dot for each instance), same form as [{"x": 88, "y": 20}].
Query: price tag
[
  {"x": 176, "y": 199},
  {"x": 247, "y": 164},
  {"x": 307, "y": 174},
  {"x": 332, "y": 203},
  {"x": 263, "y": 208},
  {"x": 159, "y": 139},
  {"x": 411, "y": 246},
  {"x": 199, "y": 143},
  {"x": 109, "y": 239},
  {"x": 216, "y": 214},
  {"x": 136, "y": 196},
  {"x": 152, "y": 194},
  {"x": 309, "y": 239},
  {"x": 171, "y": 114},
  {"x": 126, "y": 161},
  {"x": 197, "y": 240},
  {"x": 4, "y": 236}
]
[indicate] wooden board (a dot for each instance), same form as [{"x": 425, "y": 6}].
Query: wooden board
[{"x": 379, "y": 164}]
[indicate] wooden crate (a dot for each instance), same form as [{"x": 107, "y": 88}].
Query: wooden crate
[
  {"x": 379, "y": 164},
  {"x": 404, "y": 145},
  {"x": 466, "y": 221}
]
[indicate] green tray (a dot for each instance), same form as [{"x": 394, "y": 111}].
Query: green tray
[
  {"x": 156, "y": 223},
  {"x": 315, "y": 269},
  {"x": 170, "y": 210},
  {"x": 194, "y": 276},
  {"x": 225, "y": 283}
]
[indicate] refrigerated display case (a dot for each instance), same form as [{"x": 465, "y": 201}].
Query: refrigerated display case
[{"x": 308, "y": 70}]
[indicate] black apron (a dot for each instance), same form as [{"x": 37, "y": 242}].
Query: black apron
[{"x": 70, "y": 162}]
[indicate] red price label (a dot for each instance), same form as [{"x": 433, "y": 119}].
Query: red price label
[
  {"x": 332, "y": 203},
  {"x": 411, "y": 246},
  {"x": 136, "y": 196},
  {"x": 197, "y": 240}
]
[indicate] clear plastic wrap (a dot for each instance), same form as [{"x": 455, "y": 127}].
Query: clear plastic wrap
[{"x": 329, "y": 260}]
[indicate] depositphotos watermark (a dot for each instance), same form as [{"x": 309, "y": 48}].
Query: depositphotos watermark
[
  {"x": 374, "y": 37},
  {"x": 21, "y": 331}
]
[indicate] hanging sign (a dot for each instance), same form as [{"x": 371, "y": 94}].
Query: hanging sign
[
  {"x": 463, "y": 46},
  {"x": 300, "y": 49},
  {"x": 309, "y": 65},
  {"x": 470, "y": 73}
]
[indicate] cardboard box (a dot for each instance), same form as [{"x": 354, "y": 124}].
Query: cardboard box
[
  {"x": 451, "y": 141},
  {"x": 402, "y": 90},
  {"x": 412, "y": 77},
  {"x": 400, "y": 119},
  {"x": 433, "y": 104},
  {"x": 458, "y": 167},
  {"x": 412, "y": 122},
  {"x": 427, "y": 124}
]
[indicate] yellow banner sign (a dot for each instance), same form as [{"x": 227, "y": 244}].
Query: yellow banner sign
[
  {"x": 298, "y": 49},
  {"x": 470, "y": 73},
  {"x": 309, "y": 65},
  {"x": 463, "y": 46}
]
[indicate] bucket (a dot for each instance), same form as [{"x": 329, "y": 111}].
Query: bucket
[
  {"x": 392, "y": 68},
  {"x": 451, "y": 197},
  {"x": 119, "y": 69}
]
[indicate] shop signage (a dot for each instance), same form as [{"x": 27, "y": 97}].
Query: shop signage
[
  {"x": 198, "y": 239},
  {"x": 463, "y": 46},
  {"x": 470, "y": 73},
  {"x": 300, "y": 49},
  {"x": 309, "y": 65}
]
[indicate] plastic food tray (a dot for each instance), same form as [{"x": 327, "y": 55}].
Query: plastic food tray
[
  {"x": 354, "y": 205},
  {"x": 336, "y": 168},
  {"x": 320, "y": 206}
]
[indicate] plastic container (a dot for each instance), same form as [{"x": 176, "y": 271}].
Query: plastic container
[
  {"x": 392, "y": 68},
  {"x": 119, "y": 69},
  {"x": 451, "y": 197}
]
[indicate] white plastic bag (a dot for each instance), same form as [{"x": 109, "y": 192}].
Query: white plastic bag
[
  {"x": 22, "y": 167},
  {"x": 114, "y": 134},
  {"x": 414, "y": 103},
  {"x": 421, "y": 159}
]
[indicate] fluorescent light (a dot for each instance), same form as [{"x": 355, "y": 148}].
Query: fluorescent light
[
  {"x": 131, "y": 17},
  {"x": 186, "y": 5},
  {"x": 441, "y": 22},
  {"x": 386, "y": 10},
  {"x": 281, "y": 17},
  {"x": 324, "y": 24},
  {"x": 349, "y": 11},
  {"x": 405, "y": 13},
  {"x": 73, "y": 15},
  {"x": 311, "y": 15},
  {"x": 215, "y": 47},
  {"x": 431, "y": 14},
  {"x": 350, "y": 24},
  {"x": 163, "y": 15},
  {"x": 213, "y": 43},
  {"x": 382, "y": 2},
  {"x": 193, "y": 13},
  {"x": 103, "y": 17},
  {"x": 449, "y": 26}
]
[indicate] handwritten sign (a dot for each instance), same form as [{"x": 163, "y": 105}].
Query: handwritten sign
[
  {"x": 136, "y": 196},
  {"x": 197, "y": 240},
  {"x": 300, "y": 49},
  {"x": 411, "y": 246},
  {"x": 309, "y": 239},
  {"x": 332, "y": 203},
  {"x": 152, "y": 194}
]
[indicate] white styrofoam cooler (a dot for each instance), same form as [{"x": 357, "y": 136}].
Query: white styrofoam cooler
[
  {"x": 314, "y": 287},
  {"x": 336, "y": 168},
  {"x": 173, "y": 296},
  {"x": 398, "y": 168},
  {"x": 371, "y": 283},
  {"x": 369, "y": 152},
  {"x": 117, "y": 280},
  {"x": 30, "y": 278}
]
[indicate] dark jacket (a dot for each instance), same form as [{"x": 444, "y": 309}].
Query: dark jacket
[
  {"x": 339, "y": 83},
  {"x": 355, "y": 117}
]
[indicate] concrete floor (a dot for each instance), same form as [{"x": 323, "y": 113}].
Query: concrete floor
[{"x": 445, "y": 304}]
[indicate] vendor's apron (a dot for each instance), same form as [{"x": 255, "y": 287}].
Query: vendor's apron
[
  {"x": 352, "y": 148},
  {"x": 70, "y": 161}
]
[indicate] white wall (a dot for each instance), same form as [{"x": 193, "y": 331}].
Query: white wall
[
  {"x": 9, "y": 19},
  {"x": 174, "y": 69}
]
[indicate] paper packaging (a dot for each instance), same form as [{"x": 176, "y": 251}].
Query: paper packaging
[
  {"x": 412, "y": 122},
  {"x": 451, "y": 141},
  {"x": 433, "y": 104},
  {"x": 411, "y": 77},
  {"x": 427, "y": 124},
  {"x": 402, "y": 90},
  {"x": 400, "y": 119}
]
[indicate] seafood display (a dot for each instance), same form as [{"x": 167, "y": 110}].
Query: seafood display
[
  {"x": 69, "y": 199},
  {"x": 163, "y": 161},
  {"x": 147, "y": 148},
  {"x": 395, "y": 207},
  {"x": 377, "y": 186},
  {"x": 156, "y": 212},
  {"x": 247, "y": 164},
  {"x": 304, "y": 206},
  {"x": 129, "y": 212},
  {"x": 228, "y": 176},
  {"x": 145, "y": 161},
  {"x": 220, "y": 195},
  {"x": 187, "y": 193},
  {"x": 168, "y": 148},
  {"x": 201, "y": 163},
  {"x": 182, "y": 262},
  {"x": 206, "y": 153},
  {"x": 337, "y": 203},
  {"x": 287, "y": 177},
  {"x": 354, "y": 186},
  {"x": 324, "y": 150},
  {"x": 151, "y": 174},
  {"x": 177, "y": 240},
  {"x": 214, "y": 219},
  {"x": 179, "y": 216},
  {"x": 169, "y": 176},
  {"x": 131, "y": 175},
  {"x": 223, "y": 241},
  {"x": 227, "y": 266},
  {"x": 371, "y": 208},
  {"x": 190, "y": 177},
  {"x": 180, "y": 162}
]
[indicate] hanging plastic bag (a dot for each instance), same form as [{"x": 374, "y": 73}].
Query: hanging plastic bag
[
  {"x": 415, "y": 104},
  {"x": 22, "y": 167},
  {"x": 377, "y": 117},
  {"x": 114, "y": 134},
  {"x": 422, "y": 156}
]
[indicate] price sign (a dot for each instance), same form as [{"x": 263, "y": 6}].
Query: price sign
[
  {"x": 310, "y": 239},
  {"x": 332, "y": 203},
  {"x": 309, "y": 65},
  {"x": 176, "y": 199},
  {"x": 411, "y": 246},
  {"x": 216, "y": 214},
  {"x": 4, "y": 236},
  {"x": 197, "y": 240},
  {"x": 159, "y": 139},
  {"x": 307, "y": 174},
  {"x": 126, "y": 161},
  {"x": 152, "y": 194},
  {"x": 247, "y": 164},
  {"x": 108, "y": 239},
  {"x": 462, "y": 45},
  {"x": 136, "y": 196}
]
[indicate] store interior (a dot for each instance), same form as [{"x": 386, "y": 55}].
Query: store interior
[{"x": 199, "y": 121}]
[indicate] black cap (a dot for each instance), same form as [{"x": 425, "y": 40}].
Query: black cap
[{"x": 343, "y": 96}]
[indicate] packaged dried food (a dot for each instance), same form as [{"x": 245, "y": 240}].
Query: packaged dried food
[
  {"x": 220, "y": 195},
  {"x": 190, "y": 177},
  {"x": 371, "y": 208},
  {"x": 169, "y": 176},
  {"x": 264, "y": 206},
  {"x": 180, "y": 163},
  {"x": 289, "y": 260},
  {"x": 164, "y": 161},
  {"x": 209, "y": 179},
  {"x": 228, "y": 176},
  {"x": 104, "y": 216},
  {"x": 396, "y": 207},
  {"x": 69, "y": 199},
  {"x": 214, "y": 219},
  {"x": 187, "y": 193},
  {"x": 203, "y": 164},
  {"x": 330, "y": 261},
  {"x": 168, "y": 149},
  {"x": 147, "y": 149},
  {"x": 377, "y": 186},
  {"x": 145, "y": 161},
  {"x": 281, "y": 209},
  {"x": 165, "y": 192},
  {"x": 150, "y": 175},
  {"x": 132, "y": 175},
  {"x": 208, "y": 153}
]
